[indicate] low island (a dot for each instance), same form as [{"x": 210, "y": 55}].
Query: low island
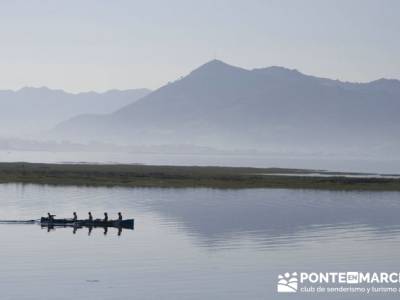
[{"x": 136, "y": 175}]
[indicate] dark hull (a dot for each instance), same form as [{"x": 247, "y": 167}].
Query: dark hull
[{"x": 127, "y": 224}]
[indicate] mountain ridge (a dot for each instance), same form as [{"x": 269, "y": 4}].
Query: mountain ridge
[
  {"x": 46, "y": 88},
  {"x": 222, "y": 105},
  {"x": 30, "y": 109}
]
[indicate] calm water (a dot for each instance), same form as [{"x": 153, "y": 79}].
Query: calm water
[{"x": 192, "y": 243}]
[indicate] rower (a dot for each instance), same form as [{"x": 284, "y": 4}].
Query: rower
[
  {"x": 119, "y": 216},
  {"x": 105, "y": 217},
  {"x": 75, "y": 218},
  {"x": 90, "y": 217},
  {"x": 51, "y": 217}
]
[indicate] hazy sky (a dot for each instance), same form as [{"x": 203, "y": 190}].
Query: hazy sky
[{"x": 81, "y": 45}]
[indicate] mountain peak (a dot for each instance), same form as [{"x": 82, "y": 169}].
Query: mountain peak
[
  {"x": 39, "y": 90},
  {"x": 31, "y": 88},
  {"x": 386, "y": 81},
  {"x": 216, "y": 66},
  {"x": 216, "y": 62},
  {"x": 392, "y": 85},
  {"x": 277, "y": 70}
]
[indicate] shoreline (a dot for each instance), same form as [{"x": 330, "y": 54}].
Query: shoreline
[{"x": 125, "y": 175}]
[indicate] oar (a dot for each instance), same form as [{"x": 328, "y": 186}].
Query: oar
[{"x": 18, "y": 221}]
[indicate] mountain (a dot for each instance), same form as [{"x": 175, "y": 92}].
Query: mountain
[
  {"x": 224, "y": 106},
  {"x": 33, "y": 109}
]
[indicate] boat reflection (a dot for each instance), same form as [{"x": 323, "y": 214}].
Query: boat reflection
[{"x": 52, "y": 227}]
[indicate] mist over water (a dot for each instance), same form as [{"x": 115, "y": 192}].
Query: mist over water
[{"x": 216, "y": 109}]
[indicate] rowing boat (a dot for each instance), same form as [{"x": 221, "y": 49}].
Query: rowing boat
[{"x": 127, "y": 224}]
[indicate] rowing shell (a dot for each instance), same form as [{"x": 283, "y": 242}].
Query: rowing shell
[{"x": 127, "y": 224}]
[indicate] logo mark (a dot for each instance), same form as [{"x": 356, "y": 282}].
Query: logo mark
[
  {"x": 287, "y": 283},
  {"x": 352, "y": 277}
]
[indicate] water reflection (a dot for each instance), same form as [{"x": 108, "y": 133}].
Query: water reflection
[
  {"x": 278, "y": 216},
  {"x": 213, "y": 217},
  {"x": 75, "y": 228},
  {"x": 191, "y": 243}
]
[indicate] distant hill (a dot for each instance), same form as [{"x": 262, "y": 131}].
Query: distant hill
[
  {"x": 33, "y": 109},
  {"x": 220, "y": 105}
]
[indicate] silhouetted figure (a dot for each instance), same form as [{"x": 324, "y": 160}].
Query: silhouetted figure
[
  {"x": 51, "y": 217},
  {"x": 75, "y": 218},
  {"x": 75, "y": 229},
  {"x": 105, "y": 217},
  {"x": 90, "y": 217},
  {"x": 119, "y": 216},
  {"x": 119, "y": 230}
]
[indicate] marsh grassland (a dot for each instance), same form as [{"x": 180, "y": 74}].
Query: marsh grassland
[{"x": 188, "y": 176}]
